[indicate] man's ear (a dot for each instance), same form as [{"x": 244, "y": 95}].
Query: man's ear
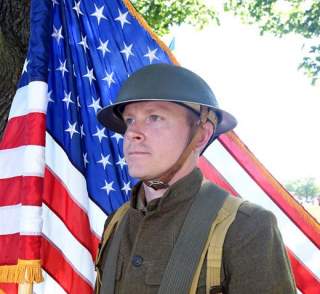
[{"x": 206, "y": 133}]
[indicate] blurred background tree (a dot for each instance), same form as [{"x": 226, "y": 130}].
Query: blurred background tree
[{"x": 305, "y": 189}]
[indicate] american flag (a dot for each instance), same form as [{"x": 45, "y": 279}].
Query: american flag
[{"x": 62, "y": 173}]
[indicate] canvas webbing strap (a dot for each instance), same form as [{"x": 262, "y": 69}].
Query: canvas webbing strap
[
  {"x": 192, "y": 239},
  {"x": 225, "y": 218},
  {"x": 109, "y": 269}
]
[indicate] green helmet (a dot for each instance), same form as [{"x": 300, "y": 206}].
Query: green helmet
[{"x": 171, "y": 83}]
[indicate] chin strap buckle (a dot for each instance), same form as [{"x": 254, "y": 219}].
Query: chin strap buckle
[{"x": 156, "y": 184}]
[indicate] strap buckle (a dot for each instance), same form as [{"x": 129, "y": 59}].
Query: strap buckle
[{"x": 216, "y": 290}]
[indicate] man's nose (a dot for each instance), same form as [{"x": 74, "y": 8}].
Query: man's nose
[{"x": 135, "y": 133}]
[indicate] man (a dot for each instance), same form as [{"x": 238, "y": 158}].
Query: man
[{"x": 168, "y": 116}]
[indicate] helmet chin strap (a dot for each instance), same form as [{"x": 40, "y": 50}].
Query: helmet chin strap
[{"x": 162, "y": 182}]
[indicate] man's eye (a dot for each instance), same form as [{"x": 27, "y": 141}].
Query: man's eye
[
  {"x": 128, "y": 121},
  {"x": 154, "y": 118}
]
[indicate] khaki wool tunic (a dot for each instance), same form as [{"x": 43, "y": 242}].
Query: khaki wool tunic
[{"x": 254, "y": 257}]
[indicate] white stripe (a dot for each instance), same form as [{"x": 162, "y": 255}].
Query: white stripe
[
  {"x": 30, "y": 98},
  {"x": 293, "y": 237},
  {"x": 9, "y": 222},
  {"x": 74, "y": 181},
  {"x": 26, "y": 220},
  {"x": 22, "y": 161},
  {"x": 77, "y": 255},
  {"x": 48, "y": 286}
]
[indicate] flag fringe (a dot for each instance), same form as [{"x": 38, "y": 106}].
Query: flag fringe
[
  {"x": 154, "y": 36},
  {"x": 26, "y": 271}
]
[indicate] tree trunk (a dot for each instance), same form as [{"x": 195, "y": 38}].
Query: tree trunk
[{"x": 14, "y": 33}]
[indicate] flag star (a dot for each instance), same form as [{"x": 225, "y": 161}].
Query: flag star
[
  {"x": 127, "y": 51},
  {"x": 74, "y": 71},
  {"x": 126, "y": 187},
  {"x": 62, "y": 67},
  {"x": 95, "y": 104},
  {"x": 84, "y": 43},
  {"x": 122, "y": 18},
  {"x": 104, "y": 160},
  {"x": 57, "y": 34},
  {"x": 104, "y": 47},
  {"x": 99, "y": 13},
  {"x": 49, "y": 97},
  {"x": 67, "y": 98},
  {"x": 78, "y": 101},
  {"x": 25, "y": 66},
  {"x": 89, "y": 75},
  {"x": 121, "y": 162},
  {"x": 151, "y": 55},
  {"x": 117, "y": 136},
  {"x": 108, "y": 187},
  {"x": 54, "y": 2},
  {"x": 109, "y": 78},
  {"x": 71, "y": 129},
  {"x": 100, "y": 134},
  {"x": 82, "y": 133},
  {"x": 76, "y": 7},
  {"x": 85, "y": 160}
]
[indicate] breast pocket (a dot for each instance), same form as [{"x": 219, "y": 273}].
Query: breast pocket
[{"x": 154, "y": 273}]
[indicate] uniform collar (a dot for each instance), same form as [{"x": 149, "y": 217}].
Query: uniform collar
[{"x": 180, "y": 191}]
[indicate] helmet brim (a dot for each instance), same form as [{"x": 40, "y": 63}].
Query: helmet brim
[{"x": 111, "y": 118}]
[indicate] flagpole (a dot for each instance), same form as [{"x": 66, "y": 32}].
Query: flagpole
[{"x": 25, "y": 288}]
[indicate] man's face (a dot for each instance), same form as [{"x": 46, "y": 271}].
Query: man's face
[{"x": 157, "y": 133}]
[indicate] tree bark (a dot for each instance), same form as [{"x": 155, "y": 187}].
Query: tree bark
[{"x": 14, "y": 34}]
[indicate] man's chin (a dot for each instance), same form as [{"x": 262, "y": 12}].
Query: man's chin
[{"x": 140, "y": 174}]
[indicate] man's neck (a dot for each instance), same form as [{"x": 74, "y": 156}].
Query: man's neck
[{"x": 152, "y": 194}]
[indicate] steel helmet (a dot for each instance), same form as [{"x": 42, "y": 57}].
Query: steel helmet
[{"x": 166, "y": 82}]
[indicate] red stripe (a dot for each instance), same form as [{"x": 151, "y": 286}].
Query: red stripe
[
  {"x": 26, "y": 190},
  {"x": 212, "y": 174},
  {"x": 58, "y": 267},
  {"x": 9, "y": 288},
  {"x": 306, "y": 282},
  {"x": 23, "y": 130},
  {"x": 14, "y": 246},
  {"x": 57, "y": 198},
  {"x": 307, "y": 224}
]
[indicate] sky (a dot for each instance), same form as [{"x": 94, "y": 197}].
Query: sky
[{"x": 256, "y": 78}]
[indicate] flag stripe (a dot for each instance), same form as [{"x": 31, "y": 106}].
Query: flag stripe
[
  {"x": 24, "y": 130},
  {"x": 13, "y": 241},
  {"x": 76, "y": 254},
  {"x": 305, "y": 280},
  {"x": 74, "y": 182},
  {"x": 302, "y": 247},
  {"x": 276, "y": 192},
  {"x": 211, "y": 173},
  {"x": 59, "y": 268},
  {"x": 25, "y": 160},
  {"x": 30, "y": 98},
  {"x": 56, "y": 197},
  {"x": 21, "y": 190},
  {"x": 50, "y": 285},
  {"x": 30, "y": 213}
]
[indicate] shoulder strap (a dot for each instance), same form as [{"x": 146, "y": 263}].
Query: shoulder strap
[
  {"x": 192, "y": 239},
  {"x": 113, "y": 224},
  {"x": 225, "y": 218}
]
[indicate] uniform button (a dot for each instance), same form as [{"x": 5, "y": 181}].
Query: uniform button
[{"x": 137, "y": 260}]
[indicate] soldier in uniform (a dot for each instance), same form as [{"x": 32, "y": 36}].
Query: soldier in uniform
[{"x": 168, "y": 116}]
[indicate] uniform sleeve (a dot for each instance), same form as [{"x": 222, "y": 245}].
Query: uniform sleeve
[{"x": 254, "y": 256}]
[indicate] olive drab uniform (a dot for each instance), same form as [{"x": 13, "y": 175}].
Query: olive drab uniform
[{"x": 254, "y": 258}]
